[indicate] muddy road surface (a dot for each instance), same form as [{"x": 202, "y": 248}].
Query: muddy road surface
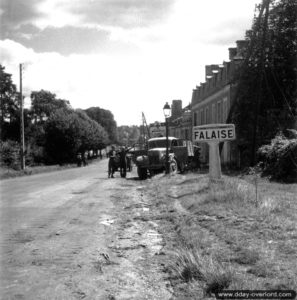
[{"x": 75, "y": 234}]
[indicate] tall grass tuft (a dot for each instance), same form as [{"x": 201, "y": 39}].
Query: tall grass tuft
[{"x": 190, "y": 265}]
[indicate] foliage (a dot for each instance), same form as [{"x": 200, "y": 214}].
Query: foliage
[
  {"x": 54, "y": 132},
  {"x": 44, "y": 103},
  {"x": 9, "y": 107},
  {"x": 68, "y": 132},
  {"x": 266, "y": 97},
  {"x": 35, "y": 154},
  {"x": 106, "y": 119},
  {"x": 279, "y": 159},
  {"x": 10, "y": 154},
  {"x": 128, "y": 135}
]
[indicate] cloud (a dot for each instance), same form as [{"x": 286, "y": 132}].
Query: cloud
[
  {"x": 69, "y": 27},
  {"x": 16, "y": 13},
  {"x": 70, "y": 40},
  {"x": 125, "y": 56},
  {"x": 120, "y": 13},
  {"x": 66, "y": 40}
]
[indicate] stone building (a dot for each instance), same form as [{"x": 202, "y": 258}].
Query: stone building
[
  {"x": 212, "y": 99},
  {"x": 180, "y": 122}
]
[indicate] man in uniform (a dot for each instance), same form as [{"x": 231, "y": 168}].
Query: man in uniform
[
  {"x": 123, "y": 162},
  {"x": 111, "y": 162}
]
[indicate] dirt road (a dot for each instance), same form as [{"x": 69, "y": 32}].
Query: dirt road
[{"x": 75, "y": 234}]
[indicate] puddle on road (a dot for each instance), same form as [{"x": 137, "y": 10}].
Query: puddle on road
[
  {"x": 107, "y": 222},
  {"x": 78, "y": 192}
]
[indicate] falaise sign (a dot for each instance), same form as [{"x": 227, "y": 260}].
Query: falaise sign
[{"x": 214, "y": 132}]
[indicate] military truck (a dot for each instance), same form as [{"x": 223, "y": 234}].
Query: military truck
[{"x": 181, "y": 153}]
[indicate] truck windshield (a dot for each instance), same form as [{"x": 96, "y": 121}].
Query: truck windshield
[{"x": 157, "y": 144}]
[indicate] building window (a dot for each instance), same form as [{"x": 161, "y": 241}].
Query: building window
[
  {"x": 213, "y": 113},
  {"x": 206, "y": 115},
  {"x": 195, "y": 119},
  {"x": 225, "y": 110},
  {"x": 201, "y": 117},
  {"x": 219, "y": 112}
]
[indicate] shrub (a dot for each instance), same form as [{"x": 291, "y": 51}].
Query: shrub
[
  {"x": 279, "y": 158},
  {"x": 10, "y": 154},
  {"x": 35, "y": 155}
]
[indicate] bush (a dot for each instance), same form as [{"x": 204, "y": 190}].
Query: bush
[
  {"x": 35, "y": 155},
  {"x": 10, "y": 154},
  {"x": 279, "y": 158}
]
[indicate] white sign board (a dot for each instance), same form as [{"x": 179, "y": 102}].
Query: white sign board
[{"x": 214, "y": 132}]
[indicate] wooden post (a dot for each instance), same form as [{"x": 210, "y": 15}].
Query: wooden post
[{"x": 22, "y": 135}]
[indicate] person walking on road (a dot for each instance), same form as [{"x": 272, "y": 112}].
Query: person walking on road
[
  {"x": 85, "y": 158},
  {"x": 123, "y": 162},
  {"x": 79, "y": 159},
  {"x": 111, "y": 162}
]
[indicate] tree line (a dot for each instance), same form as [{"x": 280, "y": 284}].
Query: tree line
[
  {"x": 54, "y": 131},
  {"x": 266, "y": 98}
]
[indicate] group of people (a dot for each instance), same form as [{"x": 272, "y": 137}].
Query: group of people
[
  {"x": 82, "y": 159},
  {"x": 117, "y": 159}
]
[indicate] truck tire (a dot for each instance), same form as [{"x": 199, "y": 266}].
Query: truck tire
[
  {"x": 152, "y": 173},
  {"x": 173, "y": 167},
  {"x": 142, "y": 173},
  {"x": 130, "y": 168},
  {"x": 182, "y": 167}
]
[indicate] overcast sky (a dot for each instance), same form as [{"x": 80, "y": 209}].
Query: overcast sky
[{"x": 128, "y": 56}]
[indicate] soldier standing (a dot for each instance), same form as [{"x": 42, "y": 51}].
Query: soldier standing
[
  {"x": 111, "y": 162},
  {"x": 85, "y": 158},
  {"x": 123, "y": 162},
  {"x": 79, "y": 159}
]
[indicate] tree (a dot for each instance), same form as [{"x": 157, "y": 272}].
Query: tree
[
  {"x": 10, "y": 116},
  {"x": 62, "y": 136},
  {"x": 44, "y": 103},
  {"x": 93, "y": 135},
  {"x": 68, "y": 132},
  {"x": 266, "y": 98},
  {"x": 128, "y": 135},
  {"x": 106, "y": 119}
]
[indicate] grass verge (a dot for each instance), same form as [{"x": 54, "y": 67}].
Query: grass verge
[{"x": 228, "y": 234}]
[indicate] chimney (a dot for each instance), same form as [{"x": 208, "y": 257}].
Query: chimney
[
  {"x": 210, "y": 70},
  {"x": 241, "y": 48},
  {"x": 215, "y": 68},
  {"x": 232, "y": 53},
  {"x": 176, "y": 109}
]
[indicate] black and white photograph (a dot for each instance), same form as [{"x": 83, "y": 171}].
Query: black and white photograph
[{"x": 148, "y": 149}]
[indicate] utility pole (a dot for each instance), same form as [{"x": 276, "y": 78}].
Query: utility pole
[{"x": 22, "y": 141}]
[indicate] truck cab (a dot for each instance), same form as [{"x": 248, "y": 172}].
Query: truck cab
[{"x": 180, "y": 152}]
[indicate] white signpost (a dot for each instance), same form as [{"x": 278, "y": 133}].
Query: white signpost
[{"x": 213, "y": 134}]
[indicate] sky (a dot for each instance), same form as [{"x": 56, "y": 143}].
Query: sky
[{"x": 127, "y": 56}]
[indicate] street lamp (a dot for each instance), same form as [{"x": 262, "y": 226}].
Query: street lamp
[{"x": 167, "y": 114}]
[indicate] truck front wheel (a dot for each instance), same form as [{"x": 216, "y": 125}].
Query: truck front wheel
[
  {"x": 142, "y": 173},
  {"x": 182, "y": 167}
]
